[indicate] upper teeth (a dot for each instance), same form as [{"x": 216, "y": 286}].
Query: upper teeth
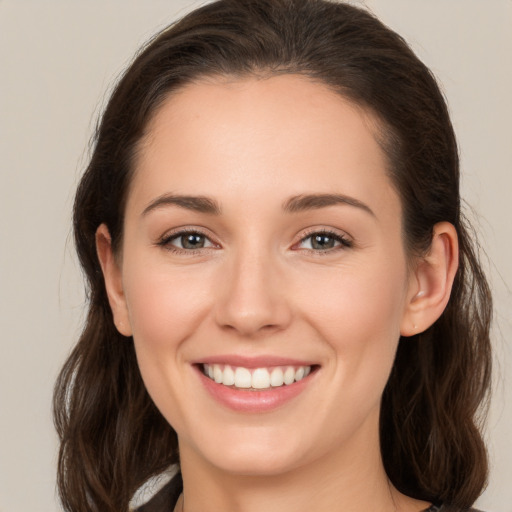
[{"x": 257, "y": 378}]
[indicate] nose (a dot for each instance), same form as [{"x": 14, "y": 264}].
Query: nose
[{"x": 252, "y": 298}]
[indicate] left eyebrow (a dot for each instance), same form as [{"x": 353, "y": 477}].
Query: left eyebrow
[{"x": 315, "y": 201}]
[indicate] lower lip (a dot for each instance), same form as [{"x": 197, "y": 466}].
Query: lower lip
[{"x": 253, "y": 401}]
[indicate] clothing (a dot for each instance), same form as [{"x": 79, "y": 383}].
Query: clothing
[{"x": 165, "y": 500}]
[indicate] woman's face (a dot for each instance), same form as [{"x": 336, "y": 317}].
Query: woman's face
[{"x": 262, "y": 233}]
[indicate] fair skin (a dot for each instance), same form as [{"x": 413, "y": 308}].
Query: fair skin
[{"x": 254, "y": 282}]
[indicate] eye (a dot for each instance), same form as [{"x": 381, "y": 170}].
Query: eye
[
  {"x": 186, "y": 241},
  {"x": 322, "y": 241}
]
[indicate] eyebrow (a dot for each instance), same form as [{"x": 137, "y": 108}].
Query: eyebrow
[
  {"x": 295, "y": 204},
  {"x": 201, "y": 204},
  {"x": 316, "y": 201}
]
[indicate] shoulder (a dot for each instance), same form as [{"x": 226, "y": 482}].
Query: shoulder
[
  {"x": 165, "y": 500},
  {"x": 449, "y": 508}
]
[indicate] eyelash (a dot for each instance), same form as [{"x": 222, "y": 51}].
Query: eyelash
[{"x": 344, "y": 242}]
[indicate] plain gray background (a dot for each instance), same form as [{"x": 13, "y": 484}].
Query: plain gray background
[{"x": 58, "y": 60}]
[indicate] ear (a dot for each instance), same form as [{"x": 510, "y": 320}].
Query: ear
[
  {"x": 113, "y": 281},
  {"x": 431, "y": 282}
]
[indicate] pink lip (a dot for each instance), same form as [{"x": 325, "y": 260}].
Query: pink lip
[
  {"x": 253, "y": 362},
  {"x": 253, "y": 401}
]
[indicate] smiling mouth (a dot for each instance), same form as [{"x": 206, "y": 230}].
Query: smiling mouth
[{"x": 255, "y": 379}]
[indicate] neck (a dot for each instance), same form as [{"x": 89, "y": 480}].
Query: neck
[{"x": 349, "y": 479}]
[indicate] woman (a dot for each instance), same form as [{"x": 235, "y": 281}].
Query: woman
[{"x": 284, "y": 297}]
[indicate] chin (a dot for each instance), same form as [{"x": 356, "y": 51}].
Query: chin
[
  {"x": 254, "y": 455},
  {"x": 256, "y": 464}
]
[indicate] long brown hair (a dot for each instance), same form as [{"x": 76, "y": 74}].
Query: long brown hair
[{"x": 112, "y": 436}]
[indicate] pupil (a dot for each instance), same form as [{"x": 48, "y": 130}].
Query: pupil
[
  {"x": 192, "y": 241},
  {"x": 322, "y": 242}
]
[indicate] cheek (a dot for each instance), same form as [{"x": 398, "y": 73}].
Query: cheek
[
  {"x": 357, "y": 311},
  {"x": 359, "y": 298},
  {"x": 163, "y": 306}
]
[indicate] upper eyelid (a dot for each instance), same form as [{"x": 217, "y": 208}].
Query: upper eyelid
[
  {"x": 342, "y": 235},
  {"x": 165, "y": 241},
  {"x": 328, "y": 231},
  {"x": 343, "y": 240},
  {"x": 175, "y": 233}
]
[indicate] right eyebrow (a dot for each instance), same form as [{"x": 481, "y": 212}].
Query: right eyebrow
[{"x": 201, "y": 204}]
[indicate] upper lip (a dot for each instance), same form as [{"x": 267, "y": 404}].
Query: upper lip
[{"x": 253, "y": 361}]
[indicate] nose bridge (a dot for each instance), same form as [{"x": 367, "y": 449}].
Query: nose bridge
[{"x": 253, "y": 294}]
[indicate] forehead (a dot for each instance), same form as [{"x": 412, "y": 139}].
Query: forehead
[{"x": 260, "y": 138}]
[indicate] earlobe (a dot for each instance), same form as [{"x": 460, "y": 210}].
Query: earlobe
[
  {"x": 432, "y": 281},
  {"x": 113, "y": 280}
]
